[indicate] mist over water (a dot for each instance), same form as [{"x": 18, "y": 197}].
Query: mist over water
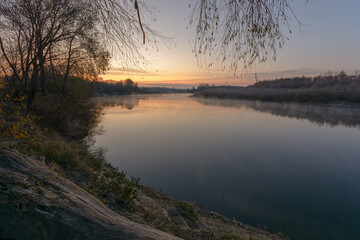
[
  {"x": 289, "y": 167},
  {"x": 319, "y": 114}
]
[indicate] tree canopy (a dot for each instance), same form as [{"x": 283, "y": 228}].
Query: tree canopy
[
  {"x": 238, "y": 33},
  {"x": 43, "y": 40}
]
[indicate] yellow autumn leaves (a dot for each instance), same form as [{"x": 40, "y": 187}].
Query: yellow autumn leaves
[{"x": 15, "y": 123}]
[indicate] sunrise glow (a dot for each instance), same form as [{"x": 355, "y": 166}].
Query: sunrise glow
[{"x": 306, "y": 53}]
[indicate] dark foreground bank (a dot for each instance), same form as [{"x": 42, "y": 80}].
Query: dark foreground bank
[{"x": 38, "y": 203}]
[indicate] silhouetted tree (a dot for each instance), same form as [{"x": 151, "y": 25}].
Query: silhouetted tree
[
  {"x": 128, "y": 83},
  {"x": 55, "y": 39}
]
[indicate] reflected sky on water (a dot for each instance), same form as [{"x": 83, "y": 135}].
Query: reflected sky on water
[{"x": 289, "y": 167}]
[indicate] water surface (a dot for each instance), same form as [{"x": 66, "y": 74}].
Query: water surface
[{"x": 284, "y": 167}]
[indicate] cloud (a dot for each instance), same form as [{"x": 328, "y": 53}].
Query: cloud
[{"x": 129, "y": 71}]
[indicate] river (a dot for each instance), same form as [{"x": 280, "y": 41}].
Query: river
[{"x": 283, "y": 167}]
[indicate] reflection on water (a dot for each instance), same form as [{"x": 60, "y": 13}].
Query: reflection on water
[
  {"x": 274, "y": 170},
  {"x": 321, "y": 115},
  {"x": 318, "y": 114},
  {"x": 125, "y": 102}
]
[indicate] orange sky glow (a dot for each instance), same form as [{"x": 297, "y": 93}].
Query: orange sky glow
[
  {"x": 177, "y": 79},
  {"x": 325, "y": 42}
]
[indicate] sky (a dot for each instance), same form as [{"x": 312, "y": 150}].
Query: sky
[{"x": 328, "y": 40}]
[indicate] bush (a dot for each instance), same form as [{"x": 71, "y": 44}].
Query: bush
[
  {"x": 15, "y": 122},
  {"x": 84, "y": 166},
  {"x": 64, "y": 124},
  {"x": 72, "y": 117},
  {"x": 231, "y": 237}
]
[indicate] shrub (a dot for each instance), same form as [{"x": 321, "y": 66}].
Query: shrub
[
  {"x": 188, "y": 210},
  {"x": 84, "y": 166},
  {"x": 231, "y": 237},
  {"x": 15, "y": 122},
  {"x": 72, "y": 117}
]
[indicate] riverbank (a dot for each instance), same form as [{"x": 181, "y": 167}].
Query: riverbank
[
  {"x": 38, "y": 202},
  {"x": 44, "y": 196},
  {"x": 326, "y": 96},
  {"x": 340, "y": 89}
]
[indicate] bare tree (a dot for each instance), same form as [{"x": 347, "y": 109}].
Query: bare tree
[
  {"x": 32, "y": 29},
  {"x": 56, "y": 39}
]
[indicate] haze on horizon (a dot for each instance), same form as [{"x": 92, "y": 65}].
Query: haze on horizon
[{"x": 327, "y": 41}]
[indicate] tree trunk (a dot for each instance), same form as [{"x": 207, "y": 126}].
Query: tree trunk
[
  {"x": 42, "y": 70},
  {"x": 68, "y": 66}
]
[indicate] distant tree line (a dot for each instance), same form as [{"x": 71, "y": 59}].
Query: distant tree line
[
  {"x": 127, "y": 86},
  {"x": 328, "y": 80},
  {"x": 325, "y": 88},
  {"x": 202, "y": 86}
]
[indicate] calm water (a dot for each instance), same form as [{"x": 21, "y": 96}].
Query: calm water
[{"x": 286, "y": 167}]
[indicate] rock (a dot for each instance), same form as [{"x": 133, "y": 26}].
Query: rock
[{"x": 37, "y": 203}]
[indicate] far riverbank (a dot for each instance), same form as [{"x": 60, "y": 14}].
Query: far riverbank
[{"x": 339, "y": 90}]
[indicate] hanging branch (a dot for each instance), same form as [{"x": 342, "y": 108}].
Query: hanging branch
[
  {"x": 138, "y": 12},
  {"x": 239, "y": 33}
]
